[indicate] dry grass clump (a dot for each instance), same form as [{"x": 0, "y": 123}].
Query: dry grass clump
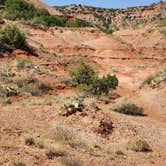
[
  {"x": 119, "y": 152},
  {"x": 155, "y": 80},
  {"x": 139, "y": 146},
  {"x": 71, "y": 161},
  {"x": 69, "y": 135},
  {"x": 24, "y": 63},
  {"x": 29, "y": 140},
  {"x": 55, "y": 150},
  {"x": 126, "y": 106},
  {"x": 90, "y": 102},
  {"x": 32, "y": 85},
  {"x": 19, "y": 163}
]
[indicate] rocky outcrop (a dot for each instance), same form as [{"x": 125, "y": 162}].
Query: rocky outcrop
[{"x": 118, "y": 18}]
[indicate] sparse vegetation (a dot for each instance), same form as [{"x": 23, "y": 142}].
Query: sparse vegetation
[
  {"x": 32, "y": 85},
  {"x": 29, "y": 140},
  {"x": 110, "y": 20},
  {"x": 19, "y": 163},
  {"x": 55, "y": 150},
  {"x": 71, "y": 161},
  {"x": 139, "y": 146},
  {"x": 119, "y": 152},
  {"x": 69, "y": 135},
  {"x": 87, "y": 80},
  {"x": 14, "y": 83},
  {"x": 161, "y": 24},
  {"x": 6, "y": 73},
  {"x": 126, "y": 106},
  {"x": 155, "y": 80},
  {"x": 23, "y": 63}
]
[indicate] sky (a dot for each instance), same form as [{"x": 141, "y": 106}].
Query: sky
[{"x": 102, "y": 3}]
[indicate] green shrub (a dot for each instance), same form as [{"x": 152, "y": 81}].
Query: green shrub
[
  {"x": 126, "y": 106},
  {"x": 84, "y": 74},
  {"x": 49, "y": 20},
  {"x": 18, "y": 9},
  {"x": 139, "y": 146},
  {"x": 102, "y": 85},
  {"x": 87, "y": 80},
  {"x": 11, "y": 37},
  {"x": 78, "y": 23}
]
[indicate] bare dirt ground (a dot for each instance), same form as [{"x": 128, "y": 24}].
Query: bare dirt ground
[{"x": 132, "y": 55}]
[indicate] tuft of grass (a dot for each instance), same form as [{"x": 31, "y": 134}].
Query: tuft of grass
[
  {"x": 139, "y": 146},
  {"x": 126, "y": 106},
  {"x": 29, "y": 140},
  {"x": 23, "y": 63},
  {"x": 161, "y": 24},
  {"x": 69, "y": 135},
  {"x": 119, "y": 152},
  {"x": 41, "y": 143},
  {"x": 19, "y": 163},
  {"x": 71, "y": 161},
  {"x": 6, "y": 73},
  {"x": 5, "y": 101},
  {"x": 32, "y": 85},
  {"x": 155, "y": 80},
  {"x": 55, "y": 150}
]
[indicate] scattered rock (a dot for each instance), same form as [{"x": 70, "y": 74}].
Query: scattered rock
[
  {"x": 60, "y": 86},
  {"x": 105, "y": 127},
  {"x": 20, "y": 53},
  {"x": 114, "y": 96}
]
